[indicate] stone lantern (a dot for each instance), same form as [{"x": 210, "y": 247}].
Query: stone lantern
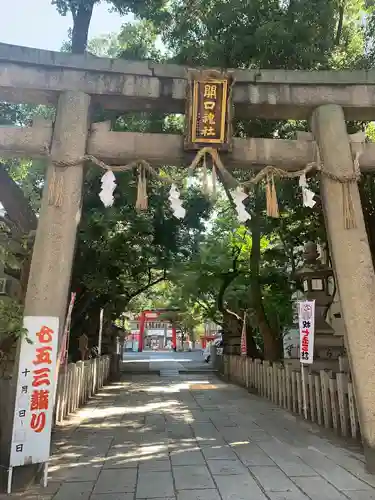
[{"x": 317, "y": 284}]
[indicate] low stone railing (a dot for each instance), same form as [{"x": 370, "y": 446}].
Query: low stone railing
[
  {"x": 329, "y": 397},
  {"x": 78, "y": 383}
]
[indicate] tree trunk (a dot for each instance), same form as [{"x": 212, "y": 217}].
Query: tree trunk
[
  {"x": 232, "y": 328},
  {"x": 252, "y": 349},
  {"x": 19, "y": 211},
  {"x": 271, "y": 343},
  {"x": 231, "y": 334},
  {"x": 340, "y": 23},
  {"x": 81, "y": 24},
  {"x": 16, "y": 205}
]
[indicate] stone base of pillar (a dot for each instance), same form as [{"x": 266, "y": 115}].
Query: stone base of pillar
[
  {"x": 319, "y": 364},
  {"x": 114, "y": 370},
  {"x": 370, "y": 458},
  {"x": 328, "y": 347},
  {"x": 232, "y": 344}
]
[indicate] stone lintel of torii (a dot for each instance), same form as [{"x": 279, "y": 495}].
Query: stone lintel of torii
[
  {"x": 38, "y": 76},
  {"x": 75, "y": 84},
  {"x": 117, "y": 148}
]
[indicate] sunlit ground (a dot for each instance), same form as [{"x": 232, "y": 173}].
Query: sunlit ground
[
  {"x": 133, "y": 422},
  {"x": 146, "y": 424}
]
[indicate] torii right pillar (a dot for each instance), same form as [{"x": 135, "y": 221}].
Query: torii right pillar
[{"x": 352, "y": 262}]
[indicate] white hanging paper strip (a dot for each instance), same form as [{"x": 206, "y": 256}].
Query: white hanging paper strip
[
  {"x": 302, "y": 181},
  {"x": 239, "y": 196},
  {"x": 307, "y": 194},
  {"x": 308, "y": 197},
  {"x": 176, "y": 203},
  {"x": 108, "y": 186}
]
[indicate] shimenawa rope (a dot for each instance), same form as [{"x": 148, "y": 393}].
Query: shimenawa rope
[{"x": 267, "y": 174}]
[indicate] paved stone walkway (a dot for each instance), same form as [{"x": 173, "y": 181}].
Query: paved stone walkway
[{"x": 191, "y": 438}]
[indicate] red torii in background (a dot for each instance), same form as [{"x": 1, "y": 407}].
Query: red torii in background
[{"x": 149, "y": 315}]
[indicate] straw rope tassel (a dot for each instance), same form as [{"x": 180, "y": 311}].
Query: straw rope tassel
[
  {"x": 52, "y": 187},
  {"x": 205, "y": 176},
  {"x": 214, "y": 179},
  {"x": 268, "y": 195},
  {"x": 348, "y": 211},
  {"x": 275, "y": 205},
  {"x": 142, "y": 198},
  {"x": 56, "y": 181},
  {"x": 56, "y": 189},
  {"x": 348, "y": 207},
  {"x": 271, "y": 197},
  {"x": 59, "y": 191},
  {"x": 347, "y": 199}
]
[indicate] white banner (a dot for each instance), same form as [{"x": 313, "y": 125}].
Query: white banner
[
  {"x": 36, "y": 381},
  {"x": 306, "y": 319}
]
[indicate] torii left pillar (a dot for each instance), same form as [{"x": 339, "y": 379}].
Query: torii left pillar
[
  {"x": 52, "y": 259},
  {"x": 51, "y": 264}
]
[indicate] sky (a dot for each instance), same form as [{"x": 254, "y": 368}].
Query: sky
[{"x": 36, "y": 23}]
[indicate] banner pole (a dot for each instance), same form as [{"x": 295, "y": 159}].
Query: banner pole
[
  {"x": 100, "y": 332},
  {"x": 304, "y": 390},
  {"x": 306, "y": 321},
  {"x": 10, "y": 477}
]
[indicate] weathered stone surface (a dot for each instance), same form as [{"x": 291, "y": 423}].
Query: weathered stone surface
[
  {"x": 192, "y": 477},
  {"x": 318, "y": 488},
  {"x": 49, "y": 280},
  {"x": 272, "y": 479},
  {"x": 360, "y": 495},
  {"x": 219, "y": 453},
  {"x": 162, "y": 465},
  {"x": 226, "y": 467},
  {"x": 75, "y": 491},
  {"x": 112, "y": 496},
  {"x": 354, "y": 271},
  {"x": 38, "y": 76},
  {"x": 334, "y": 474},
  {"x": 198, "y": 495},
  {"x": 239, "y": 488},
  {"x": 116, "y": 481},
  {"x": 154, "y": 484},
  {"x": 286, "y": 495},
  {"x": 33, "y": 141},
  {"x": 250, "y": 454},
  {"x": 291, "y": 464},
  {"x": 121, "y": 147},
  {"x": 187, "y": 457},
  {"x": 76, "y": 473}
]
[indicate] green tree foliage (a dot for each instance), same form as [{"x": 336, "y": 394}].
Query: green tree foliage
[
  {"x": 82, "y": 10},
  {"x": 224, "y": 269},
  {"x": 136, "y": 41},
  {"x": 298, "y": 34},
  {"x": 122, "y": 253}
]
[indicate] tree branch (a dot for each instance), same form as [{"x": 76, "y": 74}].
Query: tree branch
[
  {"x": 340, "y": 23},
  {"x": 149, "y": 285},
  {"x": 227, "y": 280},
  {"x": 209, "y": 313}
]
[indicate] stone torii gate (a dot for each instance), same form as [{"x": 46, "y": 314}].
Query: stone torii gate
[{"x": 75, "y": 84}]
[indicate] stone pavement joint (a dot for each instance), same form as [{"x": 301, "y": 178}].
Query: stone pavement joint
[{"x": 195, "y": 437}]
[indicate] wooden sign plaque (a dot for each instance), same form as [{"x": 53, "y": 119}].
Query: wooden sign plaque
[{"x": 208, "y": 111}]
